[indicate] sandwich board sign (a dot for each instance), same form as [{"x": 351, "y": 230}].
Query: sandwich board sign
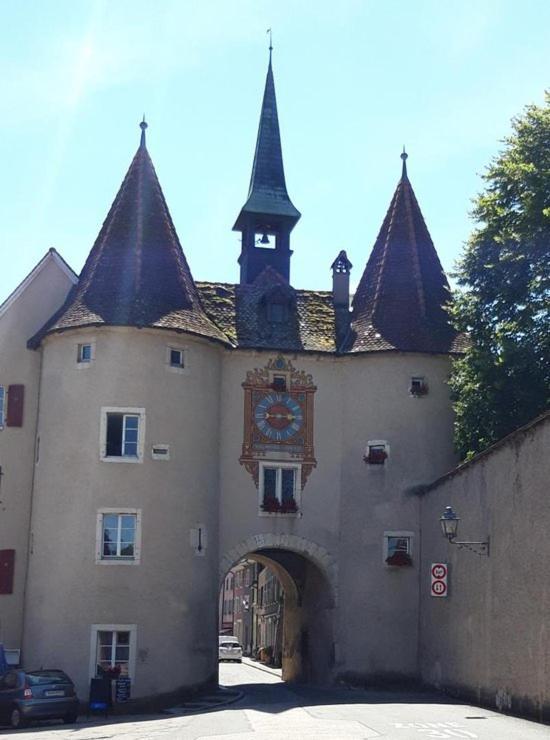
[{"x": 439, "y": 573}]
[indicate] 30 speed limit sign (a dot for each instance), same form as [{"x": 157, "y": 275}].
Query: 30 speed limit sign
[{"x": 439, "y": 574}]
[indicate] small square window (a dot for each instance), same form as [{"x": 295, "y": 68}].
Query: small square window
[
  {"x": 84, "y": 353},
  {"x": 176, "y": 358},
  {"x": 418, "y": 386},
  {"x": 398, "y": 548},
  {"x": 376, "y": 453},
  {"x": 279, "y": 383}
]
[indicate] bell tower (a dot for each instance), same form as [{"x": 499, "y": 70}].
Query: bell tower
[{"x": 268, "y": 216}]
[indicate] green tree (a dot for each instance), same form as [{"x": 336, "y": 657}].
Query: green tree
[{"x": 503, "y": 301}]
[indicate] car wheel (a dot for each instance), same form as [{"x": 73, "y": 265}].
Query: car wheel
[
  {"x": 16, "y": 719},
  {"x": 70, "y": 719}
]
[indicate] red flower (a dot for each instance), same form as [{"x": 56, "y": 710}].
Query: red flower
[{"x": 399, "y": 557}]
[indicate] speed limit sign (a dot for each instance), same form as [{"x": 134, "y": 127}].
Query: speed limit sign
[{"x": 439, "y": 572}]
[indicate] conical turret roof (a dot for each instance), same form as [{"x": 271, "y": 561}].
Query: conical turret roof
[
  {"x": 401, "y": 299},
  {"x": 136, "y": 273},
  {"x": 267, "y": 194}
]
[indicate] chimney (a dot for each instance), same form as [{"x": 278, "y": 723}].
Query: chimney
[{"x": 341, "y": 268}]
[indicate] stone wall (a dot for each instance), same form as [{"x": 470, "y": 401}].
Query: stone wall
[{"x": 488, "y": 641}]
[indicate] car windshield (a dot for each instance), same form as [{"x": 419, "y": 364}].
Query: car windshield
[
  {"x": 230, "y": 645},
  {"x": 40, "y": 677}
]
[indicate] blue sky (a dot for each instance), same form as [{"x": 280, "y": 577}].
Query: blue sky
[{"x": 355, "y": 81}]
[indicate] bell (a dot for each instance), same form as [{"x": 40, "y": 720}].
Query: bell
[{"x": 264, "y": 239}]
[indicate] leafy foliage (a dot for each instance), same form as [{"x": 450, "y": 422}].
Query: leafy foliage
[{"x": 503, "y": 302}]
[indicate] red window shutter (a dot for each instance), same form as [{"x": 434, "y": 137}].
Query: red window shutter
[
  {"x": 7, "y": 562},
  {"x": 16, "y": 395}
]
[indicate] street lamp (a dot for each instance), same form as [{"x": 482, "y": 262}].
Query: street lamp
[{"x": 449, "y": 526}]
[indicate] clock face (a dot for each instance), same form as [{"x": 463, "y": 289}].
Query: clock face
[{"x": 278, "y": 416}]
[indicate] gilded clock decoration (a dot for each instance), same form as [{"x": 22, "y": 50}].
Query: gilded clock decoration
[{"x": 278, "y": 416}]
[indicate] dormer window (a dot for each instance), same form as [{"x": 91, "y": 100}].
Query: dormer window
[{"x": 277, "y": 313}]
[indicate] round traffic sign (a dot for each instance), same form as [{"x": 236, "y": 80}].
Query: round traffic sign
[
  {"x": 439, "y": 570},
  {"x": 439, "y": 588}
]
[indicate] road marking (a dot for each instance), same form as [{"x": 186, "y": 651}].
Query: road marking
[{"x": 436, "y": 729}]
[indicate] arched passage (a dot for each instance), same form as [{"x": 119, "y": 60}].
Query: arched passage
[{"x": 307, "y": 574}]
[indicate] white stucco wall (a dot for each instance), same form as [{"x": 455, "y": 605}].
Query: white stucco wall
[
  {"x": 172, "y": 594},
  {"x": 346, "y": 505},
  {"x": 20, "y": 317},
  {"x": 488, "y": 640}
]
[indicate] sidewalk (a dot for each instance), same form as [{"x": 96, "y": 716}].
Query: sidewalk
[{"x": 262, "y": 667}]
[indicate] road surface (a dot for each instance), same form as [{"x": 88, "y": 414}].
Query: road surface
[{"x": 271, "y": 710}]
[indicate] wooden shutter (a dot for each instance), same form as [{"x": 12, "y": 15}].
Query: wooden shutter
[
  {"x": 16, "y": 395},
  {"x": 7, "y": 562}
]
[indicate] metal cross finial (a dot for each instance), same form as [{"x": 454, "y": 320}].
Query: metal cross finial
[
  {"x": 270, "y": 42},
  {"x": 143, "y": 126},
  {"x": 404, "y": 157}
]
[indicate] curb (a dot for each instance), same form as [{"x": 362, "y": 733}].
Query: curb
[
  {"x": 203, "y": 705},
  {"x": 265, "y": 669}
]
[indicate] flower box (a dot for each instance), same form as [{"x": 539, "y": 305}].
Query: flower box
[
  {"x": 376, "y": 456},
  {"x": 289, "y": 507},
  {"x": 399, "y": 558},
  {"x": 274, "y": 506},
  {"x": 271, "y": 504},
  {"x": 419, "y": 389}
]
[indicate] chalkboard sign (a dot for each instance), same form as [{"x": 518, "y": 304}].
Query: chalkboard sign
[
  {"x": 100, "y": 694},
  {"x": 123, "y": 685}
]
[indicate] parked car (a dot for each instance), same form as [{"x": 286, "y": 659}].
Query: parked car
[
  {"x": 230, "y": 649},
  {"x": 44, "y": 694}
]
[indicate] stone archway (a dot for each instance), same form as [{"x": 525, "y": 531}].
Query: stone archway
[{"x": 308, "y": 574}]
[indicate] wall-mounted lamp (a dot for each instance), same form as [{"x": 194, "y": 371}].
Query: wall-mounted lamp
[{"x": 449, "y": 526}]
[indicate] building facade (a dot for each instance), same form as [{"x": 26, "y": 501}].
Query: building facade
[{"x": 157, "y": 431}]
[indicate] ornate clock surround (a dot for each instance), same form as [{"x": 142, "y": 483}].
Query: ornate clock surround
[{"x": 278, "y": 417}]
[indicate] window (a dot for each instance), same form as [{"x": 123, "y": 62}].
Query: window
[
  {"x": 118, "y": 536},
  {"x": 279, "y": 383},
  {"x": 2, "y": 405},
  {"x": 84, "y": 353},
  {"x": 398, "y": 548},
  {"x": 376, "y": 453},
  {"x": 279, "y": 488},
  {"x": 418, "y": 386},
  {"x": 176, "y": 359},
  {"x": 122, "y": 434},
  {"x": 277, "y": 313},
  {"x": 113, "y": 650}
]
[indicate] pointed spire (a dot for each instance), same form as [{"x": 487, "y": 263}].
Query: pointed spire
[
  {"x": 401, "y": 299},
  {"x": 267, "y": 193},
  {"x": 136, "y": 273},
  {"x": 143, "y": 126},
  {"x": 404, "y": 157}
]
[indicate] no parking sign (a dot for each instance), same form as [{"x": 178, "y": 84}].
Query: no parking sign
[{"x": 439, "y": 572}]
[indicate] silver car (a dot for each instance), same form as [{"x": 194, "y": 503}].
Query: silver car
[{"x": 230, "y": 650}]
